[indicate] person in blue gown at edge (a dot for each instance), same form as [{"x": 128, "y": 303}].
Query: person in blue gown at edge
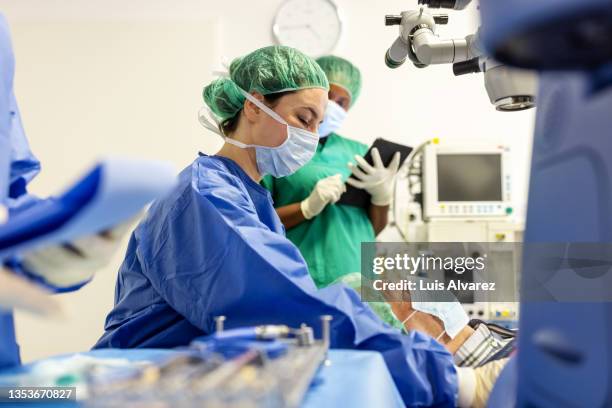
[
  {"x": 215, "y": 246},
  {"x": 73, "y": 265}
]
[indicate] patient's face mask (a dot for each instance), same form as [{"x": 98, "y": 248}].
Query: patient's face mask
[
  {"x": 450, "y": 312},
  {"x": 278, "y": 161},
  {"x": 452, "y": 315}
]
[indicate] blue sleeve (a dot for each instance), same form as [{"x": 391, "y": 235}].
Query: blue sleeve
[
  {"x": 18, "y": 166},
  {"x": 9, "y": 350},
  {"x": 6, "y": 88},
  {"x": 24, "y": 165},
  {"x": 212, "y": 256}
]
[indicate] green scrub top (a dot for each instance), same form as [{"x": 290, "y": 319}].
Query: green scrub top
[{"x": 331, "y": 241}]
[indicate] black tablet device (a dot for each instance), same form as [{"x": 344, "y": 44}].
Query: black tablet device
[{"x": 360, "y": 198}]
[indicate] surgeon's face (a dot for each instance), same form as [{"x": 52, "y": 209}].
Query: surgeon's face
[
  {"x": 303, "y": 109},
  {"x": 340, "y": 96}
]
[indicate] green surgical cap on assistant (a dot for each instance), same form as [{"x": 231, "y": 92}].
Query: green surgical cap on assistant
[
  {"x": 267, "y": 70},
  {"x": 342, "y": 73}
]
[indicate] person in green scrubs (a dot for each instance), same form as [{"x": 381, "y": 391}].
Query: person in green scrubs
[{"x": 329, "y": 235}]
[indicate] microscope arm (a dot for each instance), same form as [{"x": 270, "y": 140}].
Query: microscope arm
[
  {"x": 418, "y": 41},
  {"x": 430, "y": 49}
]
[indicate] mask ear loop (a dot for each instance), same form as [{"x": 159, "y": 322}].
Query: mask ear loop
[
  {"x": 263, "y": 107},
  {"x": 224, "y": 71},
  {"x": 212, "y": 125},
  {"x": 440, "y": 335},
  {"x": 409, "y": 317},
  {"x": 207, "y": 118}
]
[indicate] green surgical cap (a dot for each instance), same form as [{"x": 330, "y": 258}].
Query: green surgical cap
[
  {"x": 267, "y": 70},
  {"x": 342, "y": 73}
]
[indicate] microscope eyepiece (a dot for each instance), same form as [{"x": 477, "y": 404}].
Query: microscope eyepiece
[
  {"x": 471, "y": 66},
  {"x": 391, "y": 63}
]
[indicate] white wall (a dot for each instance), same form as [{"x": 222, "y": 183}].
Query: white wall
[
  {"x": 148, "y": 109},
  {"x": 94, "y": 88}
]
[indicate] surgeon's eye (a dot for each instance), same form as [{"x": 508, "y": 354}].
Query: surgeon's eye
[{"x": 305, "y": 117}]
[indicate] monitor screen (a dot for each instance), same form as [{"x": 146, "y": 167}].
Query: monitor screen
[{"x": 469, "y": 177}]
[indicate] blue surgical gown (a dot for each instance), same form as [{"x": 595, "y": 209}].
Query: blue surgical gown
[
  {"x": 217, "y": 247},
  {"x": 17, "y": 167}
]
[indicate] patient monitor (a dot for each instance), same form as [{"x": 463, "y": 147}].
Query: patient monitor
[{"x": 462, "y": 192}]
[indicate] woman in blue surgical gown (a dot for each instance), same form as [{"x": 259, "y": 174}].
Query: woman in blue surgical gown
[{"x": 217, "y": 247}]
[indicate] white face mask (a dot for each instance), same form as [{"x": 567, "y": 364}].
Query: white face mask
[
  {"x": 450, "y": 312},
  {"x": 279, "y": 161},
  {"x": 333, "y": 120},
  {"x": 452, "y": 315}
]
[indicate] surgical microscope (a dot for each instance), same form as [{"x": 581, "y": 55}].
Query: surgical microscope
[
  {"x": 423, "y": 215},
  {"x": 509, "y": 89}
]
